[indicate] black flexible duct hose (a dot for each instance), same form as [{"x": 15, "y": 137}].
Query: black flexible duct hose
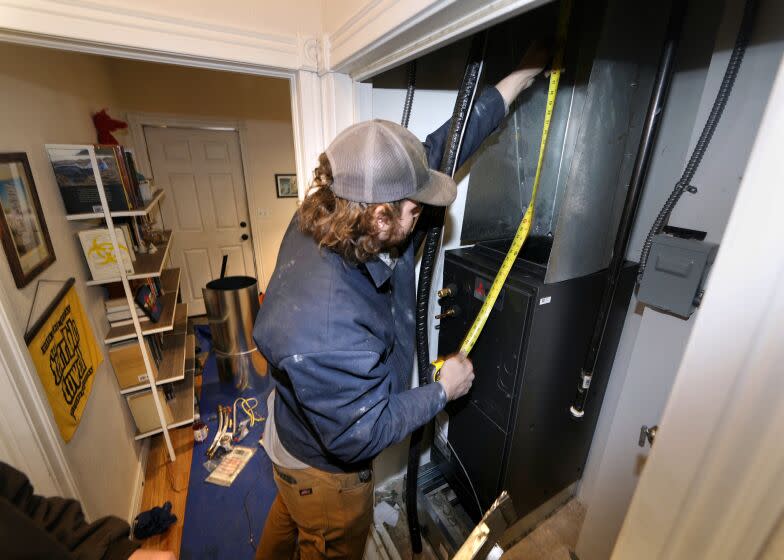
[
  {"x": 411, "y": 72},
  {"x": 684, "y": 183},
  {"x": 463, "y": 105},
  {"x": 633, "y": 194}
]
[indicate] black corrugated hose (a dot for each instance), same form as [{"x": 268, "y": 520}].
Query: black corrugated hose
[
  {"x": 411, "y": 72},
  {"x": 741, "y": 42},
  {"x": 462, "y": 110}
]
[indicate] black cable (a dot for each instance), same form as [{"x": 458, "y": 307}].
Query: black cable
[
  {"x": 733, "y": 66},
  {"x": 460, "y": 114}
]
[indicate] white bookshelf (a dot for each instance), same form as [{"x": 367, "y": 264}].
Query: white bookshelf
[{"x": 176, "y": 366}]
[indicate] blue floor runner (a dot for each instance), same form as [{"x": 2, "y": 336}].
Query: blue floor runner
[{"x": 219, "y": 522}]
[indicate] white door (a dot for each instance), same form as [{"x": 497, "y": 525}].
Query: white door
[{"x": 205, "y": 205}]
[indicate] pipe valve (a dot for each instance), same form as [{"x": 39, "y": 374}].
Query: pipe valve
[
  {"x": 450, "y": 312},
  {"x": 449, "y": 291}
]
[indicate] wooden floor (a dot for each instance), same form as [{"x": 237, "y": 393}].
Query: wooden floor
[
  {"x": 165, "y": 481},
  {"x": 168, "y": 482}
]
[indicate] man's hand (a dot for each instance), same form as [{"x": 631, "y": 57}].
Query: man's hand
[
  {"x": 457, "y": 376},
  {"x": 144, "y": 554},
  {"x": 533, "y": 62}
]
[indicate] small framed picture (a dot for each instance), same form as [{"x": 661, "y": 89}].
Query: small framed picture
[
  {"x": 286, "y": 185},
  {"x": 22, "y": 227}
]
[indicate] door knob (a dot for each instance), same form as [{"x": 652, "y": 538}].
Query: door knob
[
  {"x": 244, "y": 236},
  {"x": 243, "y": 224},
  {"x": 648, "y": 434}
]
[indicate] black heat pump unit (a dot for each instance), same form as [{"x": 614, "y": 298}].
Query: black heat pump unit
[{"x": 514, "y": 431}]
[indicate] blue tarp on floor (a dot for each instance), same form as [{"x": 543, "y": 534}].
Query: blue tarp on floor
[{"x": 219, "y": 521}]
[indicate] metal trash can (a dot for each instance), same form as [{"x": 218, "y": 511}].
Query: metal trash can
[{"x": 232, "y": 303}]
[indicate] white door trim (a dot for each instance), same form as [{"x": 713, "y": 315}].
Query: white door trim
[
  {"x": 137, "y": 122},
  {"x": 713, "y": 485},
  {"x": 89, "y": 26},
  {"x": 18, "y": 377}
]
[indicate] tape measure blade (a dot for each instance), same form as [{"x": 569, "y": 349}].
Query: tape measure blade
[{"x": 525, "y": 224}]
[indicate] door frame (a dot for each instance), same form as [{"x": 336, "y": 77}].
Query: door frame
[
  {"x": 138, "y": 120},
  {"x": 37, "y": 446},
  {"x": 712, "y": 485}
]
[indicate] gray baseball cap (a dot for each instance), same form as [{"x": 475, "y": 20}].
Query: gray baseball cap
[{"x": 380, "y": 161}]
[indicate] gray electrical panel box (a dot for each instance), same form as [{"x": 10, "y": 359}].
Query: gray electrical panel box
[{"x": 675, "y": 274}]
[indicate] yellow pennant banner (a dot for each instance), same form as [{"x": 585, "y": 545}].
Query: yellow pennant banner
[{"x": 66, "y": 357}]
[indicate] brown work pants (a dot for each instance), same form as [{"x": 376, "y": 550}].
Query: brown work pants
[{"x": 328, "y": 515}]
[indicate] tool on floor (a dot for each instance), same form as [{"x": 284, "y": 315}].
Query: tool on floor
[{"x": 231, "y": 466}]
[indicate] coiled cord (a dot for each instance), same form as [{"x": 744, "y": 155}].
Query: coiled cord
[{"x": 727, "y": 83}]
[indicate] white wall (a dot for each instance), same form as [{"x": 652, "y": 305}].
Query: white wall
[
  {"x": 261, "y": 104},
  {"x": 48, "y": 97},
  {"x": 653, "y": 343},
  {"x": 429, "y": 111}
]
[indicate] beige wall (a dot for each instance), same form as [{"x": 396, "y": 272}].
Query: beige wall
[
  {"x": 47, "y": 97},
  {"x": 262, "y": 104}
]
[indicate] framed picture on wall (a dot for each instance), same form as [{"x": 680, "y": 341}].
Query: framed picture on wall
[
  {"x": 286, "y": 185},
  {"x": 22, "y": 227}
]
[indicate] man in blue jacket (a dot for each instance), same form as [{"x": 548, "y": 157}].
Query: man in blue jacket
[{"x": 337, "y": 326}]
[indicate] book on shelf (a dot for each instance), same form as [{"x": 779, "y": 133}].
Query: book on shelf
[
  {"x": 73, "y": 171},
  {"x": 116, "y": 293},
  {"x": 128, "y": 363},
  {"x": 123, "y": 322},
  {"x": 147, "y": 298},
  {"x": 99, "y": 252},
  {"x": 133, "y": 175}
]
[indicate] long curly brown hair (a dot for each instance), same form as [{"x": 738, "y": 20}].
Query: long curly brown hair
[{"x": 345, "y": 227}]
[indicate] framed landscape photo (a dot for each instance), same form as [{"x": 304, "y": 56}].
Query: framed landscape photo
[
  {"x": 22, "y": 227},
  {"x": 286, "y": 185}
]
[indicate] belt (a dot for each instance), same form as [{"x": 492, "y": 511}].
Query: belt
[{"x": 363, "y": 476}]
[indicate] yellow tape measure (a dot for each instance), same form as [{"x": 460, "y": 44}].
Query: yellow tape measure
[{"x": 525, "y": 225}]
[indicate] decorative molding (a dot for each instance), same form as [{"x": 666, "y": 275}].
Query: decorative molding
[
  {"x": 310, "y": 53},
  {"x": 87, "y": 23},
  {"x": 307, "y": 121},
  {"x": 138, "y": 485},
  {"x": 386, "y": 33},
  {"x": 359, "y": 20}
]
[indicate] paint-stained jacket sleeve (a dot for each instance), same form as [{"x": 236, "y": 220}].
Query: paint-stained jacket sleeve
[
  {"x": 485, "y": 117},
  {"x": 347, "y": 398}
]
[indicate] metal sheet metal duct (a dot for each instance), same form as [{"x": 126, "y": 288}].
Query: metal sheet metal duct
[
  {"x": 232, "y": 304},
  {"x": 611, "y": 63}
]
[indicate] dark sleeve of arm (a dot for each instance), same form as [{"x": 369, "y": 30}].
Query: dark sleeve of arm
[
  {"x": 485, "y": 117},
  {"x": 56, "y": 525},
  {"x": 347, "y": 398}
]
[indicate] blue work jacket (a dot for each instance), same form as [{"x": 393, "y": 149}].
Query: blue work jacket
[{"x": 340, "y": 338}]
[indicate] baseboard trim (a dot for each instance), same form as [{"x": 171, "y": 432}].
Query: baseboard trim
[{"x": 138, "y": 485}]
